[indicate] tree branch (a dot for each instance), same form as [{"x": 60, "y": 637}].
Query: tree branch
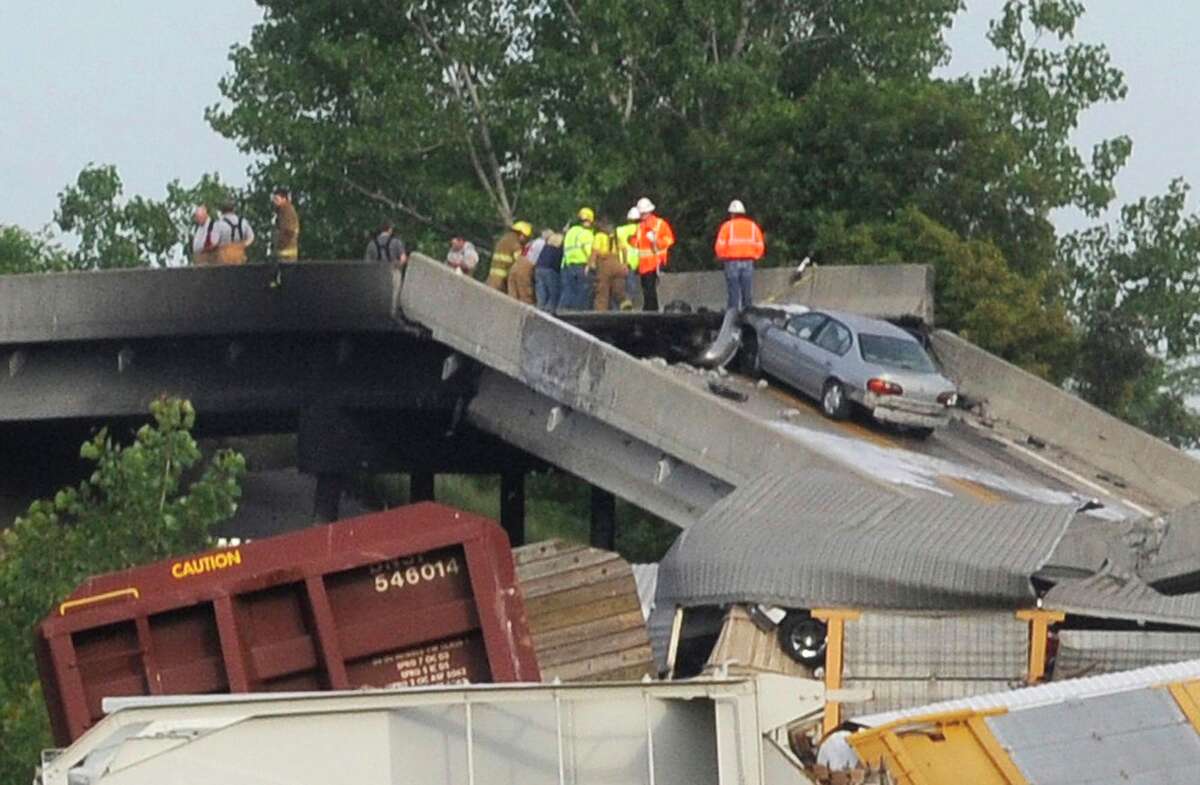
[
  {"x": 466, "y": 95},
  {"x": 399, "y": 206},
  {"x": 739, "y": 43}
]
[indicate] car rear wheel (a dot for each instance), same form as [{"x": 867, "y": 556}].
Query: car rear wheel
[
  {"x": 834, "y": 401},
  {"x": 922, "y": 433}
]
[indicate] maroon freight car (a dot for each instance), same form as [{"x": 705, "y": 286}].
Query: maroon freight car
[{"x": 418, "y": 595}]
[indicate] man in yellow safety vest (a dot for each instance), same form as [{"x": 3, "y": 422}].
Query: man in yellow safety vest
[{"x": 577, "y": 253}]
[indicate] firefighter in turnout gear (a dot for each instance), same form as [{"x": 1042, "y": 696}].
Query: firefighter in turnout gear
[
  {"x": 520, "y": 276},
  {"x": 510, "y": 246},
  {"x": 611, "y": 272}
]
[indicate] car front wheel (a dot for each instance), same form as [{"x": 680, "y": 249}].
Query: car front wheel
[
  {"x": 803, "y": 638},
  {"x": 834, "y": 401}
]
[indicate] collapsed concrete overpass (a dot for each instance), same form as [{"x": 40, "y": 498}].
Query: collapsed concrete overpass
[{"x": 443, "y": 375}]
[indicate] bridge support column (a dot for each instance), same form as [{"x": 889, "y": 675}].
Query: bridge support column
[
  {"x": 328, "y": 497},
  {"x": 512, "y": 506},
  {"x": 604, "y": 519},
  {"x": 420, "y": 487}
]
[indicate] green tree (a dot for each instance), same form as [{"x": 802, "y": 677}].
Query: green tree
[
  {"x": 1136, "y": 290},
  {"x": 22, "y": 251},
  {"x": 143, "y": 501},
  {"x": 136, "y": 232},
  {"x": 976, "y": 292},
  {"x": 413, "y": 109}
]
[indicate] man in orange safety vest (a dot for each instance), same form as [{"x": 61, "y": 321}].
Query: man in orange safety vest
[
  {"x": 740, "y": 243},
  {"x": 653, "y": 240}
]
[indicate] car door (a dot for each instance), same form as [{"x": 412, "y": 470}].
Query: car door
[
  {"x": 796, "y": 364},
  {"x": 827, "y": 349}
]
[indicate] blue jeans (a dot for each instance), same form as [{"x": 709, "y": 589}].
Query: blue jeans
[
  {"x": 739, "y": 280},
  {"x": 576, "y": 289},
  {"x": 633, "y": 285},
  {"x": 548, "y": 287}
]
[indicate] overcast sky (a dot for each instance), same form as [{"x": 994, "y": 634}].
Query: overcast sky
[{"x": 127, "y": 83}]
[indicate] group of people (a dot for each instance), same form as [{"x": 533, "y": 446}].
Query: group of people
[
  {"x": 590, "y": 264},
  {"x": 224, "y": 239},
  {"x": 596, "y": 265}
]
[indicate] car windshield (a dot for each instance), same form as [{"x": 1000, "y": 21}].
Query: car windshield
[{"x": 894, "y": 352}]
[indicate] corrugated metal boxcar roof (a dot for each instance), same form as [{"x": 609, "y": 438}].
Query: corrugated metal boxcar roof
[
  {"x": 824, "y": 539},
  {"x": 1112, "y": 594}
]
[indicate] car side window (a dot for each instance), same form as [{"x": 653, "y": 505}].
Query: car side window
[
  {"x": 805, "y": 325},
  {"x": 835, "y": 338}
]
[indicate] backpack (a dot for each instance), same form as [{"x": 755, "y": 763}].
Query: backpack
[{"x": 383, "y": 251}]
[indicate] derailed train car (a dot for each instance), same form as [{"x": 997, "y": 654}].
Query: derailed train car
[{"x": 421, "y": 595}]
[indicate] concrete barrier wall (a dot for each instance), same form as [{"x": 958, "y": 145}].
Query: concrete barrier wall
[
  {"x": 149, "y": 303},
  {"x": 1037, "y": 407},
  {"x": 583, "y": 373},
  {"x": 894, "y": 291}
]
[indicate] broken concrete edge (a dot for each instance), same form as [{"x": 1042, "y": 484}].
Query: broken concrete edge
[
  {"x": 583, "y": 373},
  {"x": 188, "y": 301},
  {"x": 587, "y": 447},
  {"x": 898, "y": 292},
  {"x": 1037, "y": 407}
]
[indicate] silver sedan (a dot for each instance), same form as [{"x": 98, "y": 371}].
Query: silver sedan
[{"x": 842, "y": 359}]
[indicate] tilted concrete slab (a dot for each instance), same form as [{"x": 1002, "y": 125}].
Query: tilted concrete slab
[
  {"x": 152, "y": 303},
  {"x": 608, "y": 458},
  {"x": 1122, "y": 456},
  {"x": 584, "y": 374},
  {"x": 903, "y": 292}
]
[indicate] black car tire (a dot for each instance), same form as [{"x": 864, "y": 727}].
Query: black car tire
[
  {"x": 834, "y": 401},
  {"x": 922, "y": 433},
  {"x": 803, "y": 638}
]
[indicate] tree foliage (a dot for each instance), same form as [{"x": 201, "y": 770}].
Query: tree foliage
[
  {"x": 1136, "y": 294},
  {"x": 1009, "y": 314},
  {"x": 143, "y": 501},
  {"x": 22, "y": 251},
  {"x": 114, "y": 231}
]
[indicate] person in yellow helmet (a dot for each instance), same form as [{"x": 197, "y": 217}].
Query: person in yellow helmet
[
  {"x": 509, "y": 247},
  {"x": 520, "y": 275},
  {"x": 577, "y": 255},
  {"x": 611, "y": 271}
]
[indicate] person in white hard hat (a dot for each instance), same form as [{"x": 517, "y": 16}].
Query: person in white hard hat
[
  {"x": 653, "y": 240},
  {"x": 740, "y": 243},
  {"x": 625, "y": 234}
]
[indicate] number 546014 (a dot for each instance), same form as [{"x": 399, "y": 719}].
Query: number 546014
[{"x": 414, "y": 574}]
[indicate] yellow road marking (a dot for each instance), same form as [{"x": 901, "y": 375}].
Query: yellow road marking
[
  {"x": 979, "y": 491},
  {"x": 970, "y": 487}
]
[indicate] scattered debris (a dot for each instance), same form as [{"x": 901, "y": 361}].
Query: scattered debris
[
  {"x": 1034, "y": 441},
  {"x": 789, "y": 414},
  {"x": 727, "y": 392},
  {"x": 761, "y": 384}
]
